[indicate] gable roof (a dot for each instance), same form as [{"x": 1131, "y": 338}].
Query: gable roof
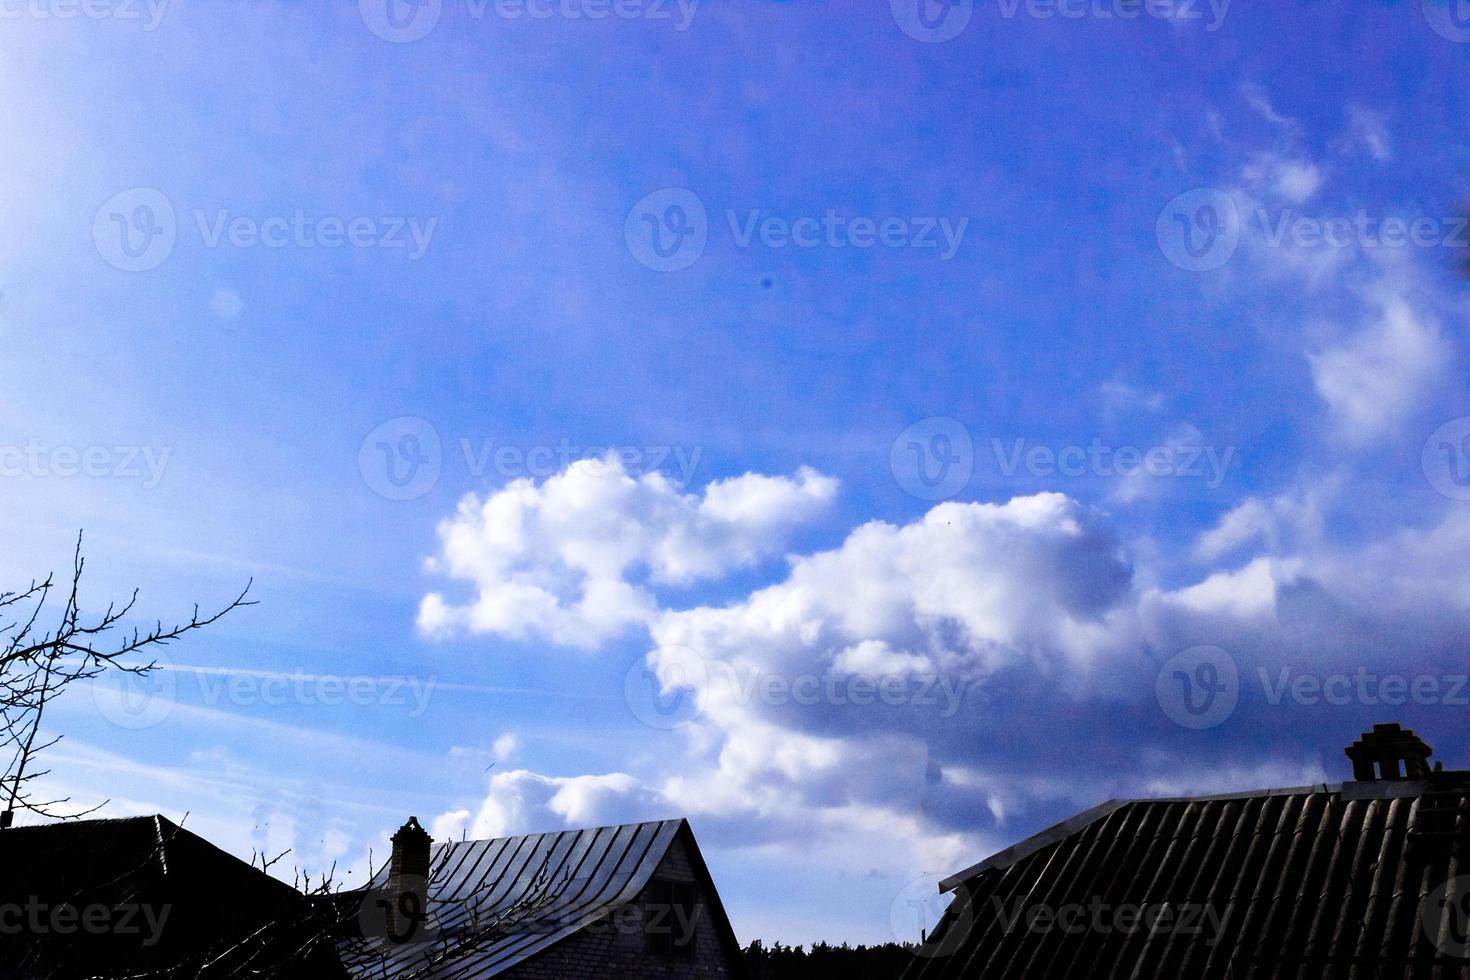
[
  {"x": 1310, "y": 881},
  {"x": 211, "y": 906},
  {"x": 569, "y": 879}
]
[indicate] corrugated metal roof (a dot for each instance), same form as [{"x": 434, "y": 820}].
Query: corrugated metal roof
[
  {"x": 575, "y": 876},
  {"x": 211, "y": 907},
  {"x": 1317, "y": 881}
]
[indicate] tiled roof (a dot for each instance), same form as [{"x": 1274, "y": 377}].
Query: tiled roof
[
  {"x": 1318, "y": 881},
  {"x": 573, "y": 878}
]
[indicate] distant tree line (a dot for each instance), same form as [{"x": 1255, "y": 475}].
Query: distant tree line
[{"x": 778, "y": 962}]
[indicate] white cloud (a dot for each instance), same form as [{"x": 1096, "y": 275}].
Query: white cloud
[
  {"x": 1028, "y": 611},
  {"x": 522, "y": 802},
  {"x": 1375, "y": 379},
  {"x": 1297, "y": 180},
  {"x": 573, "y": 559},
  {"x": 1369, "y": 130},
  {"x": 506, "y": 746}
]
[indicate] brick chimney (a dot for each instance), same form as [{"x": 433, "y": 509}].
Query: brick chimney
[
  {"x": 408, "y": 879},
  {"x": 1389, "y": 752}
]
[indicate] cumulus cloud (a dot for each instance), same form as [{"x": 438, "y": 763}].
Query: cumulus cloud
[
  {"x": 937, "y": 684},
  {"x": 522, "y": 802},
  {"x": 575, "y": 558}
]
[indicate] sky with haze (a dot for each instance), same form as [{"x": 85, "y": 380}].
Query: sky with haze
[{"x": 873, "y": 431}]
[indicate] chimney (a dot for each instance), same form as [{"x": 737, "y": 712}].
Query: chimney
[
  {"x": 1389, "y": 752},
  {"x": 408, "y": 881}
]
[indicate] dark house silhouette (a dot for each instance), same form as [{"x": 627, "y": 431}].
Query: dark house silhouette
[
  {"x": 144, "y": 898},
  {"x": 625, "y": 901},
  {"x": 1368, "y": 878}
]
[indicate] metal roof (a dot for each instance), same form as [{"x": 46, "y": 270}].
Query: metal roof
[
  {"x": 1315, "y": 881},
  {"x": 573, "y": 877}
]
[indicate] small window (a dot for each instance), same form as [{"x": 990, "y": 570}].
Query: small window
[{"x": 671, "y": 917}]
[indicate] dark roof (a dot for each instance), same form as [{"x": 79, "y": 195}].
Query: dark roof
[
  {"x": 543, "y": 888},
  {"x": 209, "y": 906},
  {"x": 1313, "y": 881}
]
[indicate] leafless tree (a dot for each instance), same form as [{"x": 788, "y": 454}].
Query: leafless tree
[{"x": 38, "y": 662}]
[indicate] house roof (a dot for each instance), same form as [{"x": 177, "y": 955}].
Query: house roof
[
  {"x": 212, "y": 907},
  {"x": 1309, "y": 881},
  {"x": 496, "y": 903}
]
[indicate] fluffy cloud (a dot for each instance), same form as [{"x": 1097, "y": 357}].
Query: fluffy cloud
[
  {"x": 1376, "y": 378},
  {"x": 972, "y": 669},
  {"x": 521, "y": 802},
  {"x": 574, "y": 559}
]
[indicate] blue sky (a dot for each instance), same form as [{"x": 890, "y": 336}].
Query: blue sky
[{"x": 272, "y": 327}]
